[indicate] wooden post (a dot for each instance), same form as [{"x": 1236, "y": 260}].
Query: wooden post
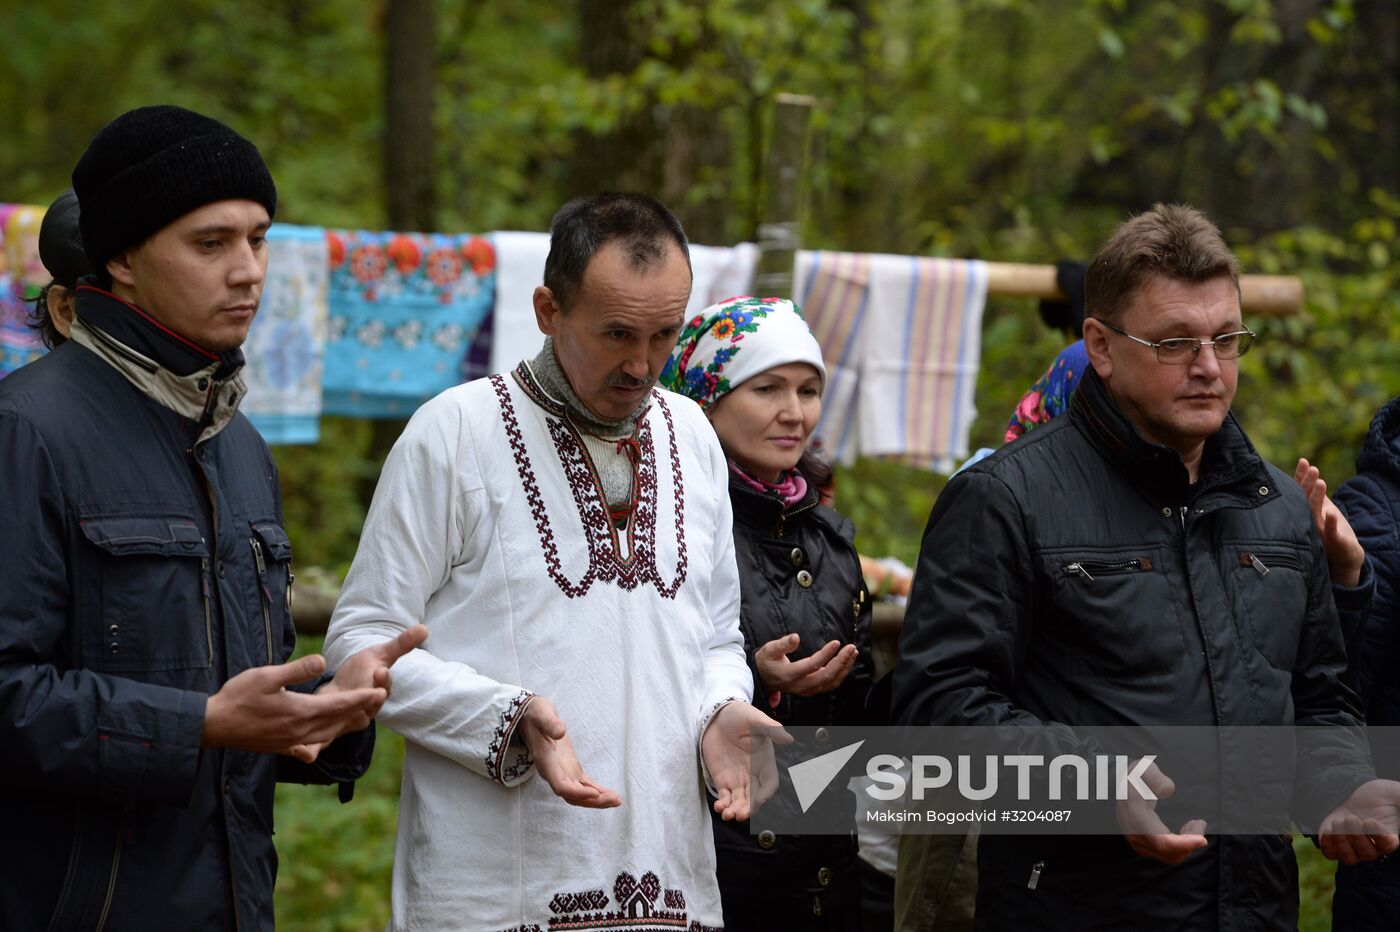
[{"x": 786, "y": 166}]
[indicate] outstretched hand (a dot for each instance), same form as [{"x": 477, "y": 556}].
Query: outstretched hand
[
  {"x": 255, "y": 711},
  {"x": 1145, "y": 831},
  {"x": 1364, "y": 826},
  {"x": 821, "y": 672},
  {"x": 737, "y": 732},
  {"x": 1345, "y": 555},
  {"x": 547, "y": 739}
]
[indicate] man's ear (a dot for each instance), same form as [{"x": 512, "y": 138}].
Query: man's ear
[
  {"x": 546, "y": 310},
  {"x": 62, "y": 308},
  {"x": 119, "y": 267},
  {"x": 1097, "y": 345}
]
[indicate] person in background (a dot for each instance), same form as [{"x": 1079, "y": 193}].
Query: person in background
[
  {"x": 1368, "y": 895},
  {"x": 61, "y": 251},
  {"x": 754, "y": 367}
]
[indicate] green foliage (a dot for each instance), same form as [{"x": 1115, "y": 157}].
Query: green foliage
[{"x": 1008, "y": 130}]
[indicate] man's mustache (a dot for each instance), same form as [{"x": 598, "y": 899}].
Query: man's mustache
[{"x": 622, "y": 380}]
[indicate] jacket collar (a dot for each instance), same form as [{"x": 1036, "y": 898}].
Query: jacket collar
[
  {"x": 192, "y": 382},
  {"x": 1228, "y": 463},
  {"x": 760, "y": 508}
]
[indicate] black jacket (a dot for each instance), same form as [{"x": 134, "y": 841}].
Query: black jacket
[
  {"x": 145, "y": 564},
  {"x": 1077, "y": 577},
  {"x": 798, "y": 572},
  {"x": 1368, "y": 895}
]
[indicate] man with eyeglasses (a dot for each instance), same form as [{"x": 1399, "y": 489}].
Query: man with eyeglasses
[{"x": 1136, "y": 563}]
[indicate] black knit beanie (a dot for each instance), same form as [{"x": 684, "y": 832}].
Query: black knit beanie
[{"x": 151, "y": 166}]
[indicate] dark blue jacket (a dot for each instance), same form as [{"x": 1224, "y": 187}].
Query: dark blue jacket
[
  {"x": 146, "y": 564},
  {"x": 1368, "y": 896},
  {"x": 1077, "y": 576}
]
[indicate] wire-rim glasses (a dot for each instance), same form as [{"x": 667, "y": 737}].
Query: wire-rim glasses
[{"x": 1181, "y": 351}]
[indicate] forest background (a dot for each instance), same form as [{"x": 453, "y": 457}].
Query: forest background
[{"x": 1007, "y": 130}]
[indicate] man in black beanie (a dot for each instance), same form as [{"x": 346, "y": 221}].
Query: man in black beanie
[{"x": 146, "y": 706}]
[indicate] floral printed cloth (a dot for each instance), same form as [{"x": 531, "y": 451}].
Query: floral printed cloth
[
  {"x": 22, "y": 274},
  {"x": 286, "y": 345},
  {"x": 1048, "y": 398},
  {"x": 404, "y": 308},
  {"x": 732, "y": 341}
]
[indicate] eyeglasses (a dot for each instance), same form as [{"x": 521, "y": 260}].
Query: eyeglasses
[{"x": 1180, "y": 351}]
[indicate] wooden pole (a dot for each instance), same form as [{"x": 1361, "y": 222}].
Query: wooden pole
[
  {"x": 1267, "y": 295},
  {"x": 778, "y": 236}
]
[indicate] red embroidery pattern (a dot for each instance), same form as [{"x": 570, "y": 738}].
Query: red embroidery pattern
[
  {"x": 496, "y": 768},
  {"x": 637, "y": 909},
  {"x": 604, "y": 561}
]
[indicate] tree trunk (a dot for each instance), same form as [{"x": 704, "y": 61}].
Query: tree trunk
[{"x": 408, "y": 114}]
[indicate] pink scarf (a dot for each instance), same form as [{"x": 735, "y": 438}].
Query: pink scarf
[{"x": 791, "y": 489}]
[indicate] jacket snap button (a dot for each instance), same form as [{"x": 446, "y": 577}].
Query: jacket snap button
[
  {"x": 804, "y": 579},
  {"x": 1166, "y": 512},
  {"x": 113, "y": 630},
  {"x": 796, "y": 556},
  {"x": 221, "y": 569},
  {"x": 822, "y": 737},
  {"x": 1263, "y": 490},
  {"x": 824, "y": 876},
  {"x": 767, "y": 839},
  {"x": 113, "y": 647}
]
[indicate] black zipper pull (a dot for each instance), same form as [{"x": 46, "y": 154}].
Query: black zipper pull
[
  {"x": 1077, "y": 569},
  {"x": 1035, "y": 875},
  {"x": 258, "y": 555}
]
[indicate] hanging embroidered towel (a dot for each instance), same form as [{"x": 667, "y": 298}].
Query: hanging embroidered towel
[
  {"x": 286, "y": 345},
  {"x": 719, "y": 273},
  {"x": 403, "y": 309},
  {"x": 21, "y": 278},
  {"x": 901, "y": 336}
]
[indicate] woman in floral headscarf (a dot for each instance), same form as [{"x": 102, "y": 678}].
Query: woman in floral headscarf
[{"x": 754, "y": 367}]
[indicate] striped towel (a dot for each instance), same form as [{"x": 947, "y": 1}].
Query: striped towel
[
  {"x": 901, "y": 336},
  {"x": 22, "y": 275},
  {"x": 287, "y": 343}
]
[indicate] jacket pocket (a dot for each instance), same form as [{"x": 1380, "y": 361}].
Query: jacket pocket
[
  {"x": 145, "y": 593},
  {"x": 272, "y": 558},
  {"x": 1114, "y": 614},
  {"x": 1272, "y": 591}
]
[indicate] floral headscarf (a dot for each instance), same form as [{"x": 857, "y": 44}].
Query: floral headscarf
[
  {"x": 1048, "y": 398},
  {"x": 728, "y": 343}
]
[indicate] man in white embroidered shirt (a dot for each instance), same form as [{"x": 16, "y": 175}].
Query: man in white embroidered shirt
[{"x": 564, "y": 532}]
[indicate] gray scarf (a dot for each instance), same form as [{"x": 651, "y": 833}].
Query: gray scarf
[{"x": 551, "y": 377}]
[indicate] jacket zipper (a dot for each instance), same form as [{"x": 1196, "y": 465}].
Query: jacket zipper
[
  {"x": 263, "y": 595},
  {"x": 228, "y": 839},
  {"x": 111, "y": 884},
  {"x": 1082, "y": 569},
  {"x": 783, "y": 518},
  {"x": 1034, "y": 880},
  {"x": 208, "y": 613},
  {"x": 1277, "y": 559}
]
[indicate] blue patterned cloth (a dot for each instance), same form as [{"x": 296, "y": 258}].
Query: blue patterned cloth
[
  {"x": 404, "y": 310},
  {"x": 286, "y": 345}
]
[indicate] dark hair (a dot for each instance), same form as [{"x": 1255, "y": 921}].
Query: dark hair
[
  {"x": 641, "y": 223},
  {"x": 41, "y": 319},
  {"x": 1169, "y": 241},
  {"x": 816, "y": 470}
]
